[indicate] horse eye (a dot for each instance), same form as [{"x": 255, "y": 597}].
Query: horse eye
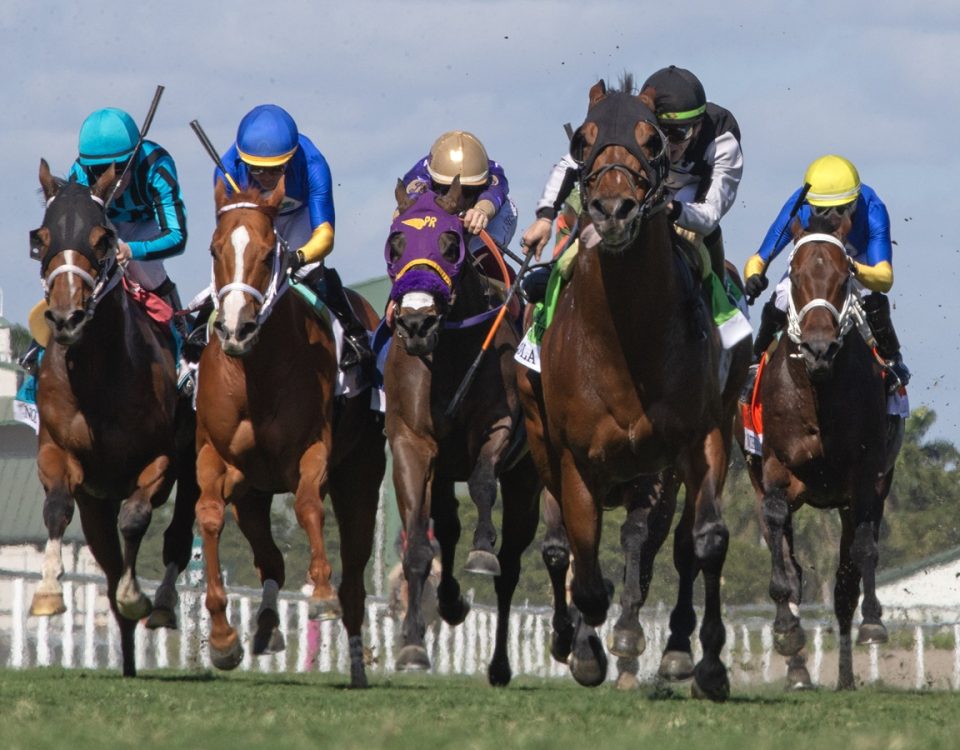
[{"x": 270, "y": 258}]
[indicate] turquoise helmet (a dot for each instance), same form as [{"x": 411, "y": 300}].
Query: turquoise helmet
[
  {"x": 267, "y": 136},
  {"x": 108, "y": 135}
]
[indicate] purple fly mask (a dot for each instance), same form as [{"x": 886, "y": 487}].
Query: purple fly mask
[{"x": 422, "y": 267}]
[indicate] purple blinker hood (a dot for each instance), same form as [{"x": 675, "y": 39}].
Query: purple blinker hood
[{"x": 422, "y": 268}]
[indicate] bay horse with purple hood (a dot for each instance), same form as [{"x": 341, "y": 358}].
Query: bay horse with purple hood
[
  {"x": 828, "y": 442},
  {"x": 114, "y": 436},
  {"x": 269, "y": 421},
  {"x": 630, "y": 398},
  {"x": 442, "y": 310}
]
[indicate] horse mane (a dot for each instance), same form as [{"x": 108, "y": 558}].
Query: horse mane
[
  {"x": 825, "y": 224},
  {"x": 626, "y": 84}
]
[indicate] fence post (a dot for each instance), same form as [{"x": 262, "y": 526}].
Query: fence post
[
  {"x": 921, "y": 677},
  {"x": 89, "y": 625},
  {"x": 43, "y": 643},
  {"x": 67, "y": 622},
  {"x": 817, "y": 653},
  {"x": 766, "y": 640},
  {"x": 18, "y": 643},
  {"x": 956, "y": 657}
]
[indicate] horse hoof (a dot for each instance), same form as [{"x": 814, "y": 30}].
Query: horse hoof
[
  {"x": 228, "y": 658},
  {"x": 711, "y": 682},
  {"x": 268, "y": 641},
  {"x": 136, "y": 609},
  {"x": 413, "y": 659},
  {"x": 627, "y": 643},
  {"x": 499, "y": 673},
  {"x": 588, "y": 662},
  {"x": 790, "y": 641},
  {"x": 871, "y": 632},
  {"x": 676, "y": 666},
  {"x": 358, "y": 677},
  {"x": 555, "y": 556},
  {"x": 455, "y": 613},
  {"x": 627, "y": 681},
  {"x": 161, "y": 617},
  {"x": 798, "y": 679},
  {"x": 482, "y": 563},
  {"x": 561, "y": 643},
  {"x": 325, "y": 609},
  {"x": 47, "y": 605}
]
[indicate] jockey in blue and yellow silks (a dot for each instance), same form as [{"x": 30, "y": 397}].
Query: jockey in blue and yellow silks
[
  {"x": 268, "y": 147},
  {"x": 834, "y": 186}
]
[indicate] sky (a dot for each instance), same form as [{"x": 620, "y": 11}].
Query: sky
[{"x": 374, "y": 83}]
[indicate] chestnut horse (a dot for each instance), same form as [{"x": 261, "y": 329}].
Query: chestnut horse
[
  {"x": 268, "y": 421},
  {"x": 629, "y": 400},
  {"x": 827, "y": 442},
  {"x": 444, "y": 310},
  {"x": 113, "y": 435}
]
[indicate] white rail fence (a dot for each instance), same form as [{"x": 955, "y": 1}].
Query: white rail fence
[{"x": 924, "y": 652}]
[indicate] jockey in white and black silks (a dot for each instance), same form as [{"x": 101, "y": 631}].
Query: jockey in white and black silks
[{"x": 832, "y": 186}]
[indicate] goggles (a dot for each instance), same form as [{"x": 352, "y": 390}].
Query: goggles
[{"x": 678, "y": 133}]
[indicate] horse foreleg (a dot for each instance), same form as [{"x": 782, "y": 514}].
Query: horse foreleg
[
  {"x": 677, "y": 661},
  {"x": 788, "y": 635},
  {"x": 253, "y": 518},
  {"x": 59, "y": 474},
  {"x": 99, "y": 520},
  {"x": 866, "y": 555},
  {"x": 846, "y": 594},
  {"x": 521, "y": 491},
  {"x": 482, "y": 484},
  {"x": 314, "y": 468},
  {"x": 555, "y": 552},
  {"x": 153, "y": 486},
  {"x": 451, "y": 604},
  {"x": 226, "y": 651}
]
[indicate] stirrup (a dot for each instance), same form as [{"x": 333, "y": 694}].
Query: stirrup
[
  {"x": 899, "y": 374},
  {"x": 746, "y": 392},
  {"x": 355, "y": 352},
  {"x": 29, "y": 361}
]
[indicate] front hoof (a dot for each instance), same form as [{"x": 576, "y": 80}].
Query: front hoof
[
  {"x": 325, "y": 609},
  {"x": 482, "y": 563},
  {"x": 798, "y": 679},
  {"x": 711, "y": 682},
  {"x": 137, "y": 609},
  {"x": 455, "y": 612},
  {"x": 627, "y": 643},
  {"x": 676, "y": 666},
  {"x": 413, "y": 659},
  {"x": 229, "y": 657},
  {"x": 499, "y": 673},
  {"x": 47, "y": 605},
  {"x": 162, "y": 618},
  {"x": 588, "y": 662},
  {"x": 790, "y": 641},
  {"x": 871, "y": 632},
  {"x": 358, "y": 677},
  {"x": 627, "y": 681}
]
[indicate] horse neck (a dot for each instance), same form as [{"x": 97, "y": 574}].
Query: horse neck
[
  {"x": 471, "y": 296},
  {"x": 111, "y": 341},
  {"x": 279, "y": 333}
]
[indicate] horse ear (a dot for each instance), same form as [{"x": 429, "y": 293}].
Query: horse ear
[
  {"x": 219, "y": 194},
  {"x": 404, "y": 199},
  {"x": 597, "y": 92},
  {"x": 796, "y": 228},
  {"x": 276, "y": 197},
  {"x": 451, "y": 201},
  {"x": 47, "y": 182},
  {"x": 102, "y": 185}
]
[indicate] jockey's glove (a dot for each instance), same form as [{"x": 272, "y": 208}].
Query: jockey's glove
[{"x": 754, "y": 286}]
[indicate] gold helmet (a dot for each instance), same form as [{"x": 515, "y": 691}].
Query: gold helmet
[
  {"x": 458, "y": 153},
  {"x": 833, "y": 181}
]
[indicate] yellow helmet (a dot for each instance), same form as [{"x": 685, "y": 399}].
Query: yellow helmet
[
  {"x": 833, "y": 181},
  {"x": 458, "y": 153}
]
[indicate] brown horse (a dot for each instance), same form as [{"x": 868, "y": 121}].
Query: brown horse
[
  {"x": 438, "y": 293},
  {"x": 630, "y": 400},
  {"x": 268, "y": 421},
  {"x": 827, "y": 442},
  {"x": 113, "y": 438}
]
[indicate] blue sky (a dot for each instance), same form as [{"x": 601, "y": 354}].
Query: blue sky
[{"x": 373, "y": 83}]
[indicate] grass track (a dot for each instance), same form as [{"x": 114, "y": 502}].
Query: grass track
[{"x": 75, "y": 709}]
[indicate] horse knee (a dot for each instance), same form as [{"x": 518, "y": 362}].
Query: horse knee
[
  {"x": 710, "y": 545},
  {"x": 417, "y": 560},
  {"x": 864, "y": 548},
  {"x": 57, "y": 512},
  {"x": 776, "y": 511},
  {"x": 134, "y": 518}
]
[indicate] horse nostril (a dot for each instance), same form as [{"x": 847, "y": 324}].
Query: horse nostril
[
  {"x": 429, "y": 324},
  {"x": 75, "y": 319},
  {"x": 247, "y": 330},
  {"x": 626, "y": 209},
  {"x": 218, "y": 325},
  {"x": 598, "y": 210}
]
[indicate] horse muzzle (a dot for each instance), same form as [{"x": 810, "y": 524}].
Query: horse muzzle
[
  {"x": 818, "y": 357},
  {"x": 66, "y": 326},
  {"x": 418, "y": 331},
  {"x": 237, "y": 341},
  {"x": 615, "y": 220}
]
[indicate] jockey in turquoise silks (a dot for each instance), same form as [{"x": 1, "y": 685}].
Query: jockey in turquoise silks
[
  {"x": 268, "y": 147},
  {"x": 833, "y": 185}
]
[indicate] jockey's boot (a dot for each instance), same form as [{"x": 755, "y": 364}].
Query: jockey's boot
[
  {"x": 29, "y": 361},
  {"x": 772, "y": 321},
  {"x": 877, "y": 307},
  {"x": 714, "y": 244},
  {"x": 356, "y": 341},
  {"x": 534, "y": 284}
]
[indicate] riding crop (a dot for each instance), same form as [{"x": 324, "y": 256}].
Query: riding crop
[{"x": 208, "y": 146}]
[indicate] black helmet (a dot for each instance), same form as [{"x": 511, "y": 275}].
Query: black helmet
[{"x": 678, "y": 96}]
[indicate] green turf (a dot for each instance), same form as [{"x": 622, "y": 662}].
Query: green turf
[{"x": 77, "y": 710}]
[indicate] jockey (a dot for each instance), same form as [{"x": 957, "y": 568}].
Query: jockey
[
  {"x": 269, "y": 147},
  {"x": 832, "y": 185},
  {"x": 706, "y": 164},
  {"x": 147, "y": 209},
  {"x": 485, "y": 190}
]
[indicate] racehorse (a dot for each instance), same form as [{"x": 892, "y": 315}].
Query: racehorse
[
  {"x": 268, "y": 421},
  {"x": 442, "y": 312},
  {"x": 629, "y": 399},
  {"x": 827, "y": 442},
  {"x": 113, "y": 437}
]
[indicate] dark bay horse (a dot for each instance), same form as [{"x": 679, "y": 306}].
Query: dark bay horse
[
  {"x": 268, "y": 421},
  {"x": 113, "y": 437},
  {"x": 827, "y": 442},
  {"x": 629, "y": 401},
  {"x": 443, "y": 313}
]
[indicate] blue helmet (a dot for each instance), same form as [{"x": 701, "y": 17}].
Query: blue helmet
[
  {"x": 267, "y": 136},
  {"x": 108, "y": 135}
]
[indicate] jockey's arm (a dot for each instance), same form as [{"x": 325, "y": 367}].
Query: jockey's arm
[
  {"x": 169, "y": 212},
  {"x": 726, "y": 159},
  {"x": 876, "y": 273},
  {"x": 776, "y": 239},
  {"x": 322, "y": 217}
]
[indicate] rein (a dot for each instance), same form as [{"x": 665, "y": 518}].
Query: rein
[{"x": 278, "y": 280}]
